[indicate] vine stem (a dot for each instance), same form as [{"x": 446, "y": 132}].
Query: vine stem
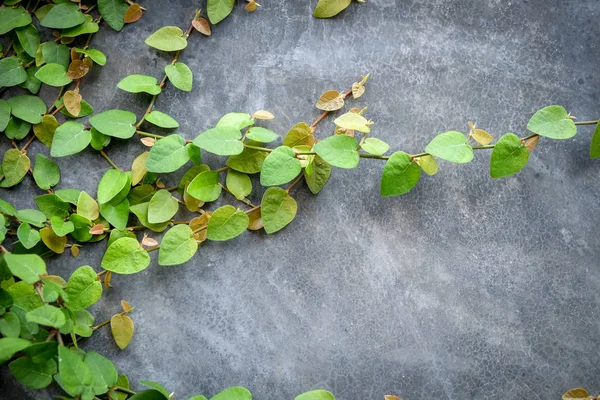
[
  {"x": 111, "y": 162},
  {"x": 148, "y": 134},
  {"x": 28, "y": 143},
  {"x": 163, "y": 82},
  {"x": 298, "y": 179},
  {"x": 586, "y": 122},
  {"x": 107, "y": 321},
  {"x": 122, "y": 389}
]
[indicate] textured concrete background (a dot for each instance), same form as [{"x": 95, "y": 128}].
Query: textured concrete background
[{"x": 466, "y": 288}]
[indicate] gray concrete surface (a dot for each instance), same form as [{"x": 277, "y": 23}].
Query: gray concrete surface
[{"x": 466, "y": 288}]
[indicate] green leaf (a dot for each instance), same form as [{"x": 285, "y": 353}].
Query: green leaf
[
  {"x": 96, "y": 55},
  {"x": 113, "y": 12},
  {"x": 29, "y": 37},
  {"x": 552, "y": 122},
  {"x": 11, "y": 18},
  {"x": 508, "y": 157},
  {"x": 63, "y": 15},
  {"x": 180, "y": 76},
  {"x": 161, "y": 119},
  {"x": 68, "y": 195},
  {"x": 125, "y": 256},
  {"x": 111, "y": 184},
  {"x": 451, "y": 146},
  {"x": 167, "y": 38},
  {"x": 17, "y": 129},
  {"x": 249, "y": 161},
  {"x": 87, "y": 207},
  {"x": 300, "y": 134},
  {"x": 7, "y": 208},
  {"x": 11, "y": 71},
  {"x": 56, "y": 53},
  {"x": 233, "y": 393},
  {"x": 238, "y": 121},
  {"x": 27, "y": 236},
  {"x": 353, "y": 121},
  {"x": 33, "y": 217},
  {"x": 400, "y": 174},
  {"x": 47, "y": 315},
  {"x": 11, "y": 346},
  {"x": 150, "y": 394},
  {"x": 42, "y": 352},
  {"x": 4, "y": 113},
  {"x": 218, "y": 10},
  {"x": 167, "y": 155},
  {"x": 88, "y": 26},
  {"x": 115, "y": 123},
  {"x": 278, "y": 209},
  {"x": 139, "y": 83},
  {"x": 116, "y": 215},
  {"x": 99, "y": 140},
  {"x": 84, "y": 288},
  {"x": 61, "y": 227},
  {"x": 428, "y": 164},
  {"x": 321, "y": 170},
  {"x": 32, "y": 83},
  {"x": 45, "y": 172},
  {"x": 10, "y": 326},
  {"x": 375, "y": 146},
  {"x": 73, "y": 374},
  {"x": 69, "y": 138},
  {"x": 162, "y": 207},
  {"x": 279, "y": 167},
  {"x": 262, "y": 135},
  {"x": 316, "y": 395},
  {"x": 339, "y": 150},
  {"x": 44, "y": 131},
  {"x": 82, "y": 226},
  {"x": 141, "y": 211},
  {"x": 330, "y": 8},
  {"x": 221, "y": 140},
  {"x": 32, "y": 375},
  {"x": 156, "y": 386},
  {"x": 104, "y": 372},
  {"x": 14, "y": 167},
  {"x": 226, "y": 223},
  {"x": 52, "y": 205},
  {"x": 205, "y": 186},
  {"x": 28, "y": 108},
  {"x": 238, "y": 183},
  {"x": 595, "y": 145},
  {"x": 53, "y": 75},
  {"x": 177, "y": 246}
]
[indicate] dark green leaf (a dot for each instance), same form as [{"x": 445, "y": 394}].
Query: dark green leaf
[
  {"x": 31, "y": 375},
  {"x": 11, "y": 18},
  {"x": 595, "y": 145},
  {"x": 45, "y": 172},
  {"x": 116, "y": 215},
  {"x": 56, "y": 53},
  {"x": 28, "y": 108},
  {"x": 11, "y": 71},
  {"x": 4, "y": 114},
  {"x": 113, "y": 12},
  {"x": 88, "y": 26},
  {"x": 17, "y": 129},
  {"x": 73, "y": 374},
  {"x": 29, "y": 37},
  {"x": 508, "y": 157},
  {"x": 52, "y": 205},
  {"x": 10, "y": 346}
]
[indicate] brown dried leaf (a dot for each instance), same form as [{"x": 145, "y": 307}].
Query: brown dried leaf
[
  {"x": 482, "y": 137},
  {"x": 72, "y": 101},
  {"x": 191, "y": 203},
  {"x": 107, "y": 279},
  {"x": 531, "y": 143},
  {"x": 133, "y": 13},
  {"x": 256, "y": 221},
  {"x": 74, "y": 55},
  {"x": 78, "y": 69},
  {"x": 576, "y": 394},
  {"x": 357, "y": 90},
  {"x": 148, "y": 141},
  {"x": 75, "y": 250},
  {"x": 126, "y": 306},
  {"x": 67, "y": 40},
  {"x": 97, "y": 229},
  {"x": 122, "y": 329},
  {"x": 149, "y": 242},
  {"x": 199, "y": 224},
  {"x": 331, "y": 100},
  {"x": 202, "y": 26},
  {"x": 263, "y": 114}
]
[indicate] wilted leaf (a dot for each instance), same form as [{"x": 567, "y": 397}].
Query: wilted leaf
[
  {"x": 531, "y": 143},
  {"x": 14, "y": 167},
  {"x": 52, "y": 240},
  {"x": 331, "y": 100},
  {"x": 97, "y": 229},
  {"x": 263, "y": 114},
  {"x": 353, "y": 121},
  {"x": 78, "y": 69},
  {"x": 72, "y": 102},
  {"x": 138, "y": 168},
  {"x": 133, "y": 13},
  {"x": 202, "y": 26}
]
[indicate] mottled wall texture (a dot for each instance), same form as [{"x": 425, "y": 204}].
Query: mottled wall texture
[{"x": 465, "y": 288}]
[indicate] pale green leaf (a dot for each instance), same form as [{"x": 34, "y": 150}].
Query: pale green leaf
[
  {"x": 29, "y": 37},
  {"x": 83, "y": 288},
  {"x": 339, "y": 150},
  {"x": 125, "y": 256},
  {"x": 117, "y": 215},
  {"x": 111, "y": 184},
  {"x": 552, "y": 122},
  {"x": 262, "y": 135},
  {"x": 27, "y": 236},
  {"x": 226, "y": 223},
  {"x": 280, "y": 167},
  {"x": 330, "y": 8},
  {"x": 161, "y": 119},
  {"x": 53, "y": 75},
  {"x": 238, "y": 183},
  {"x": 353, "y": 121},
  {"x": 87, "y": 27},
  {"x": 47, "y": 315},
  {"x": 45, "y": 172},
  {"x": 235, "y": 120},
  {"x": 205, "y": 186},
  {"x": 115, "y": 123},
  {"x": 167, "y": 155},
  {"x": 180, "y": 76},
  {"x": 177, "y": 246},
  {"x": 375, "y": 146},
  {"x": 218, "y": 10},
  {"x": 104, "y": 372},
  {"x": 28, "y": 108},
  {"x": 316, "y": 395},
  {"x": 221, "y": 140},
  {"x": 137, "y": 83},
  {"x": 69, "y": 138},
  {"x": 278, "y": 209},
  {"x": 249, "y": 161},
  {"x": 167, "y": 38},
  {"x": 451, "y": 146},
  {"x": 11, "y": 346},
  {"x": 162, "y": 207}
]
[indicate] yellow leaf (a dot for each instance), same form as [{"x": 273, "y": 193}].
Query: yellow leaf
[
  {"x": 138, "y": 168},
  {"x": 191, "y": 203},
  {"x": 331, "y": 100},
  {"x": 52, "y": 241},
  {"x": 391, "y": 397},
  {"x": 482, "y": 137},
  {"x": 199, "y": 225},
  {"x": 357, "y": 90},
  {"x": 148, "y": 141},
  {"x": 202, "y": 26},
  {"x": 428, "y": 164},
  {"x": 72, "y": 101},
  {"x": 107, "y": 279},
  {"x": 149, "y": 242},
  {"x": 75, "y": 250},
  {"x": 122, "y": 328},
  {"x": 251, "y": 6},
  {"x": 133, "y": 13},
  {"x": 263, "y": 114}
]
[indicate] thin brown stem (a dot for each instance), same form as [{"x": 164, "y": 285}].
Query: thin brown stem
[
  {"x": 298, "y": 179},
  {"x": 28, "y": 143},
  {"x": 324, "y": 114}
]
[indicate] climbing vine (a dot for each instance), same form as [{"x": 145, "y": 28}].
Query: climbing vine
[{"x": 43, "y": 316}]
